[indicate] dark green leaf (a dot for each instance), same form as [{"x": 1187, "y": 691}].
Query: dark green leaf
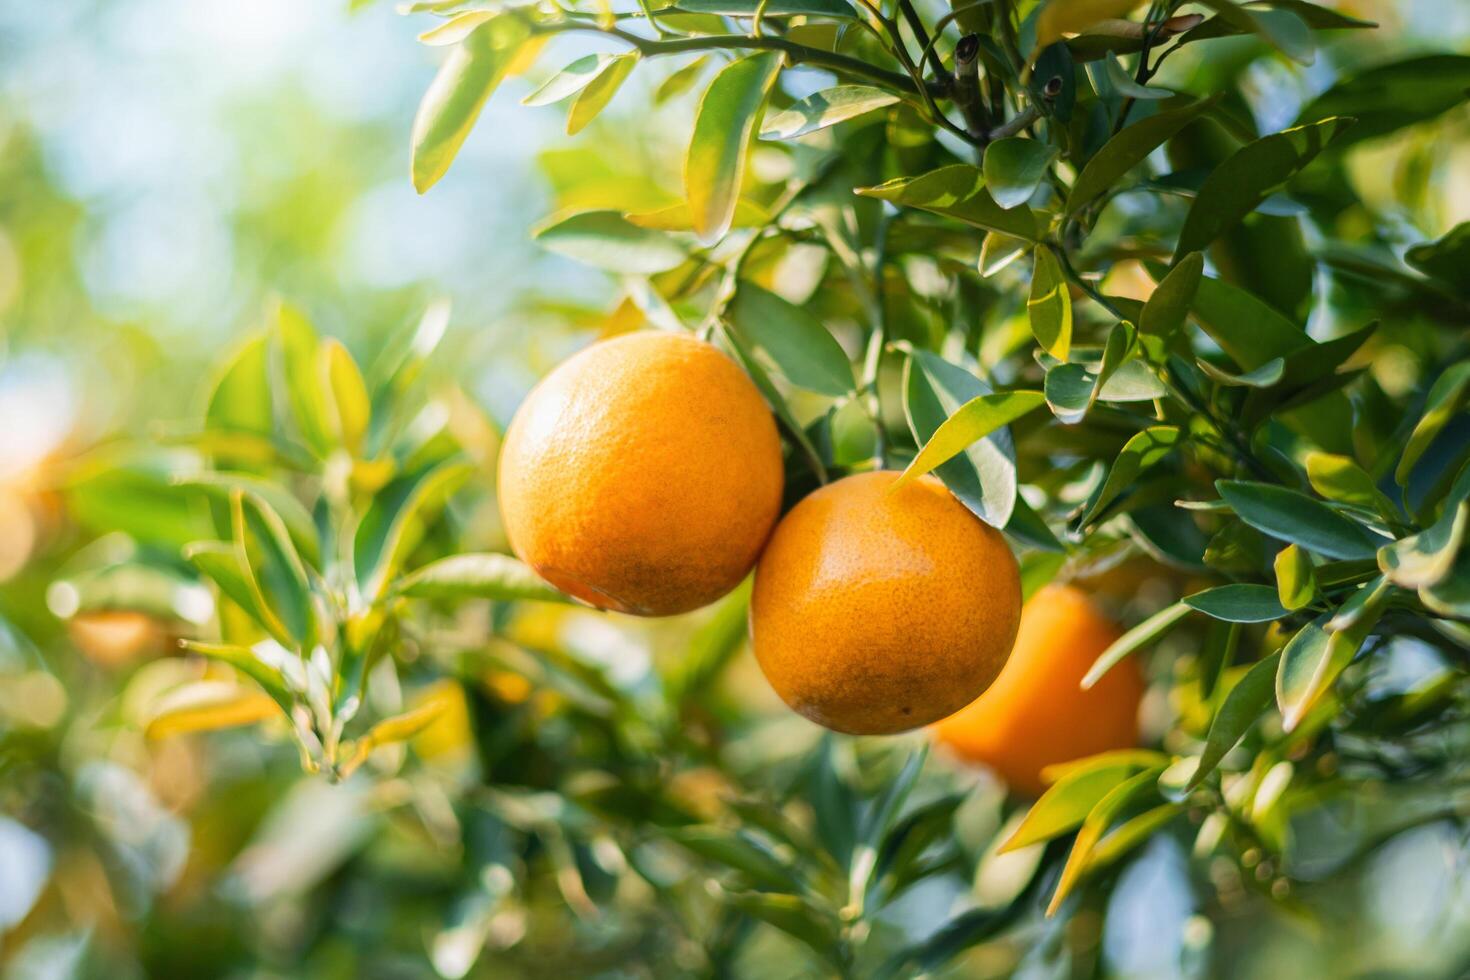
[
  {"x": 790, "y": 340},
  {"x": 735, "y": 851},
  {"x": 1238, "y": 186},
  {"x": 1298, "y": 519},
  {"x": 1014, "y": 167},
  {"x": 1449, "y": 393},
  {"x": 1128, "y": 149},
  {"x": 1246, "y": 702},
  {"x": 1389, "y": 97},
  {"x": 1239, "y": 603},
  {"x": 1445, "y": 260},
  {"x": 1143, "y": 450},
  {"x": 1169, "y": 304}
]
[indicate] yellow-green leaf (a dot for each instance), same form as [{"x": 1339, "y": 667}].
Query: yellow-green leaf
[
  {"x": 207, "y": 706},
  {"x": 1296, "y": 583},
  {"x": 1050, "y": 305},
  {"x": 970, "y": 423},
  {"x": 599, "y": 91},
  {"x": 724, "y": 126}
]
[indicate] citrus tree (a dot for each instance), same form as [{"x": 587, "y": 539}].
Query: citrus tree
[{"x": 1042, "y": 263}]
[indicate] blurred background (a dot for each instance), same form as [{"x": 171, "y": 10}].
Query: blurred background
[{"x": 167, "y": 168}]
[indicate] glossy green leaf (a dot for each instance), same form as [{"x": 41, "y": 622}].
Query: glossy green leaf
[
  {"x": 970, "y": 423},
  {"x": 1093, "y": 827},
  {"x": 1014, "y": 168},
  {"x": 1143, "y": 450},
  {"x": 1128, "y": 149},
  {"x": 747, "y": 359},
  {"x": 1297, "y": 519},
  {"x": 790, "y": 340},
  {"x": 599, "y": 91},
  {"x": 1068, "y": 801},
  {"x": 1069, "y": 392},
  {"x": 983, "y": 477},
  {"x": 1296, "y": 584},
  {"x": 1445, "y": 259},
  {"x": 1239, "y": 185},
  {"x": 1168, "y": 306},
  {"x": 1246, "y": 328},
  {"x": 1386, "y": 98},
  {"x": 1447, "y": 396},
  {"x": 1340, "y": 478},
  {"x": 1426, "y": 558},
  {"x": 276, "y": 577},
  {"x": 1239, "y": 603},
  {"x": 477, "y": 576},
  {"x": 724, "y": 125},
  {"x": 389, "y": 528},
  {"x": 735, "y": 851},
  {"x": 1138, "y": 637},
  {"x": 1278, "y": 26},
  {"x": 825, "y": 108},
  {"x": 1050, "y": 305},
  {"x": 1243, "y": 706},
  {"x": 1318, "y": 653},
  {"x": 1268, "y": 375},
  {"x": 607, "y": 240},
  {"x": 958, "y": 191},
  {"x": 453, "y": 102}
]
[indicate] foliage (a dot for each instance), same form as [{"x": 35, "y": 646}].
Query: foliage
[{"x": 1044, "y": 251}]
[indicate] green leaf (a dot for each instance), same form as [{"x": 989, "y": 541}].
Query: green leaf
[
  {"x": 1143, "y": 450},
  {"x": 970, "y": 423},
  {"x": 454, "y": 99},
  {"x": 1097, "y": 822},
  {"x": 219, "y": 483},
  {"x": 219, "y": 561},
  {"x": 246, "y": 662},
  {"x": 724, "y": 126},
  {"x": 790, "y": 340},
  {"x": 826, "y": 108},
  {"x": 957, "y": 191},
  {"x": 1340, "y": 478},
  {"x": 680, "y": 80},
  {"x": 1139, "y": 636},
  {"x": 240, "y": 399},
  {"x": 735, "y": 851},
  {"x": 477, "y": 576},
  {"x": 710, "y": 649},
  {"x": 793, "y": 915},
  {"x": 1069, "y": 392},
  {"x": 296, "y": 351},
  {"x": 1169, "y": 304},
  {"x": 1068, "y": 801},
  {"x": 349, "y": 410},
  {"x": 1050, "y": 305},
  {"x": 1130, "y": 834},
  {"x": 983, "y": 477},
  {"x": 1445, "y": 260},
  {"x": 1278, "y": 26},
  {"x": 1014, "y": 168},
  {"x": 1317, "y": 654},
  {"x": 1268, "y": 375},
  {"x": 607, "y": 240},
  {"x": 574, "y": 78},
  {"x": 1239, "y": 603},
  {"x": 1058, "y": 18},
  {"x": 1296, "y": 583},
  {"x": 1128, "y": 149},
  {"x": 1238, "y": 186},
  {"x": 383, "y": 536},
  {"x": 1243, "y": 706},
  {"x": 1425, "y": 559},
  {"x": 1247, "y": 329},
  {"x": 773, "y": 396},
  {"x": 599, "y": 91},
  {"x": 774, "y": 8},
  {"x": 1116, "y": 78},
  {"x": 276, "y": 577},
  {"x": 1297, "y": 519},
  {"x": 678, "y": 217},
  {"x": 1447, "y": 396},
  {"x": 1387, "y": 98}
]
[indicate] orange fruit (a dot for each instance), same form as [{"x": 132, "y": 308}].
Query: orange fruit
[
  {"x": 1036, "y": 713},
  {"x": 877, "y": 611},
  {"x": 642, "y": 475}
]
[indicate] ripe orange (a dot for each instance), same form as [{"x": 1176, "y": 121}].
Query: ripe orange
[
  {"x": 642, "y": 475},
  {"x": 876, "y": 612},
  {"x": 1036, "y": 714}
]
